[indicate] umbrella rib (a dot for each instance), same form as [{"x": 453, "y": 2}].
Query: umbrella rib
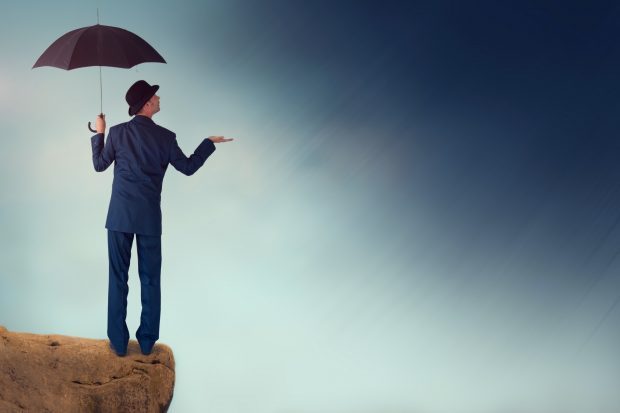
[
  {"x": 81, "y": 34},
  {"x": 129, "y": 65},
  {"x": 68, "y": 41},
  {"x": 114, "y": 43}
]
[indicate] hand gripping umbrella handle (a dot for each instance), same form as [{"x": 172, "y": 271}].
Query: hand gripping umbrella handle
[{"x": 91, "y": 129}]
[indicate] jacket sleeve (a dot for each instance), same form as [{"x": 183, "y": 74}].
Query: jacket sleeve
[
  {"x": 190, "y": 165},
  {"x": 103, "y": 155}
]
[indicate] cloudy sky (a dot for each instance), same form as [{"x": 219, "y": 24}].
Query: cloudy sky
[{"x": 419, "y": 213}]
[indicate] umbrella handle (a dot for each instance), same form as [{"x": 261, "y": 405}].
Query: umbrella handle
[{"x": 91, "y": 129}]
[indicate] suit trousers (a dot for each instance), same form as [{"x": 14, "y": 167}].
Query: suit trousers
[{"x": 149, "y": 268}]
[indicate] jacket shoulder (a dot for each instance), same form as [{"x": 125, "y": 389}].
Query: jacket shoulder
[
  {"x": 166, "y": 132},
  {"x": 118, "y": 127}
]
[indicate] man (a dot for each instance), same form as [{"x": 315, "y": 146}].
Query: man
[{"x": 141, "y": 152}]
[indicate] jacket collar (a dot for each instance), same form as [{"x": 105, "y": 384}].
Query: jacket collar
[{"x": 143, "y": 120}]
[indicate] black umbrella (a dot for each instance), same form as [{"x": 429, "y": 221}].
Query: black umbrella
[{"x": 98, "y": 45}]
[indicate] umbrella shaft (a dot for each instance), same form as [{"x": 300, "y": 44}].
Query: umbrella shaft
[
  {"x": 100, "y": 82},
  {"x": 100, "y": 91}
]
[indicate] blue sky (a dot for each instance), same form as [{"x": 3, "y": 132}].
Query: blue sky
[{"x": 419, "y": 212}]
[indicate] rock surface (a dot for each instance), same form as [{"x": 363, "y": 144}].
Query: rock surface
[{"x": 54, "y": 373}]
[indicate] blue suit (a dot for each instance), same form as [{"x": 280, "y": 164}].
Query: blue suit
[{"x": 141, "y": 152}]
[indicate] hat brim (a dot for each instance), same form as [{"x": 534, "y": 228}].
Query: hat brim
[{"x": 136, "y": 108}]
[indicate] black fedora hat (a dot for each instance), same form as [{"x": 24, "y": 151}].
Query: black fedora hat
[{"x": 138, "y": 94}]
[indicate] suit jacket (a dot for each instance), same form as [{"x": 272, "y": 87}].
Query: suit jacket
[{"x": 141, "y": 152}]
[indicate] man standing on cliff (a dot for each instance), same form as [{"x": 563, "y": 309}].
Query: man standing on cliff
[{"x": 141, "y": 151}]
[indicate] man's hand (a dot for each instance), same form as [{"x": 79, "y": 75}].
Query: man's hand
[
  {"x": 219, "y": 139},
  {"x": 100, "y": 123}
]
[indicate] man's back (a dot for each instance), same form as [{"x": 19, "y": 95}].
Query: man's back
[{"x": 141, "y": 151}]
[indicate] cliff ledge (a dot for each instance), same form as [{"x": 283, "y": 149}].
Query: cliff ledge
[{"x": 55, "y": 373}]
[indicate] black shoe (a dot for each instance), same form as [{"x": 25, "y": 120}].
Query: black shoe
[
  {"x": 146, "y": 349},
  {"x": 120, "y": 354}
]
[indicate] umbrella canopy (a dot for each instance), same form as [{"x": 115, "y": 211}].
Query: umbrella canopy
[{"x": 98, "y": 45}]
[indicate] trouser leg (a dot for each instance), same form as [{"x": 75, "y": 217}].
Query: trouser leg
[
  {"x": 149, "y": 267},
  {"x": 119, "y": 255}
]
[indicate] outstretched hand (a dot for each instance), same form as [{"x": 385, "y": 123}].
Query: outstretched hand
[
  {"x": 100, "y": 123},
  {"x": 219, "y": 139}
]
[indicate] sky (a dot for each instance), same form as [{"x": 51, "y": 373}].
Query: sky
[{"x": 419, "y": 212}]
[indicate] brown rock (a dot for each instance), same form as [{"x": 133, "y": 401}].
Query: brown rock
[{"x": 53, "y": 373}]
